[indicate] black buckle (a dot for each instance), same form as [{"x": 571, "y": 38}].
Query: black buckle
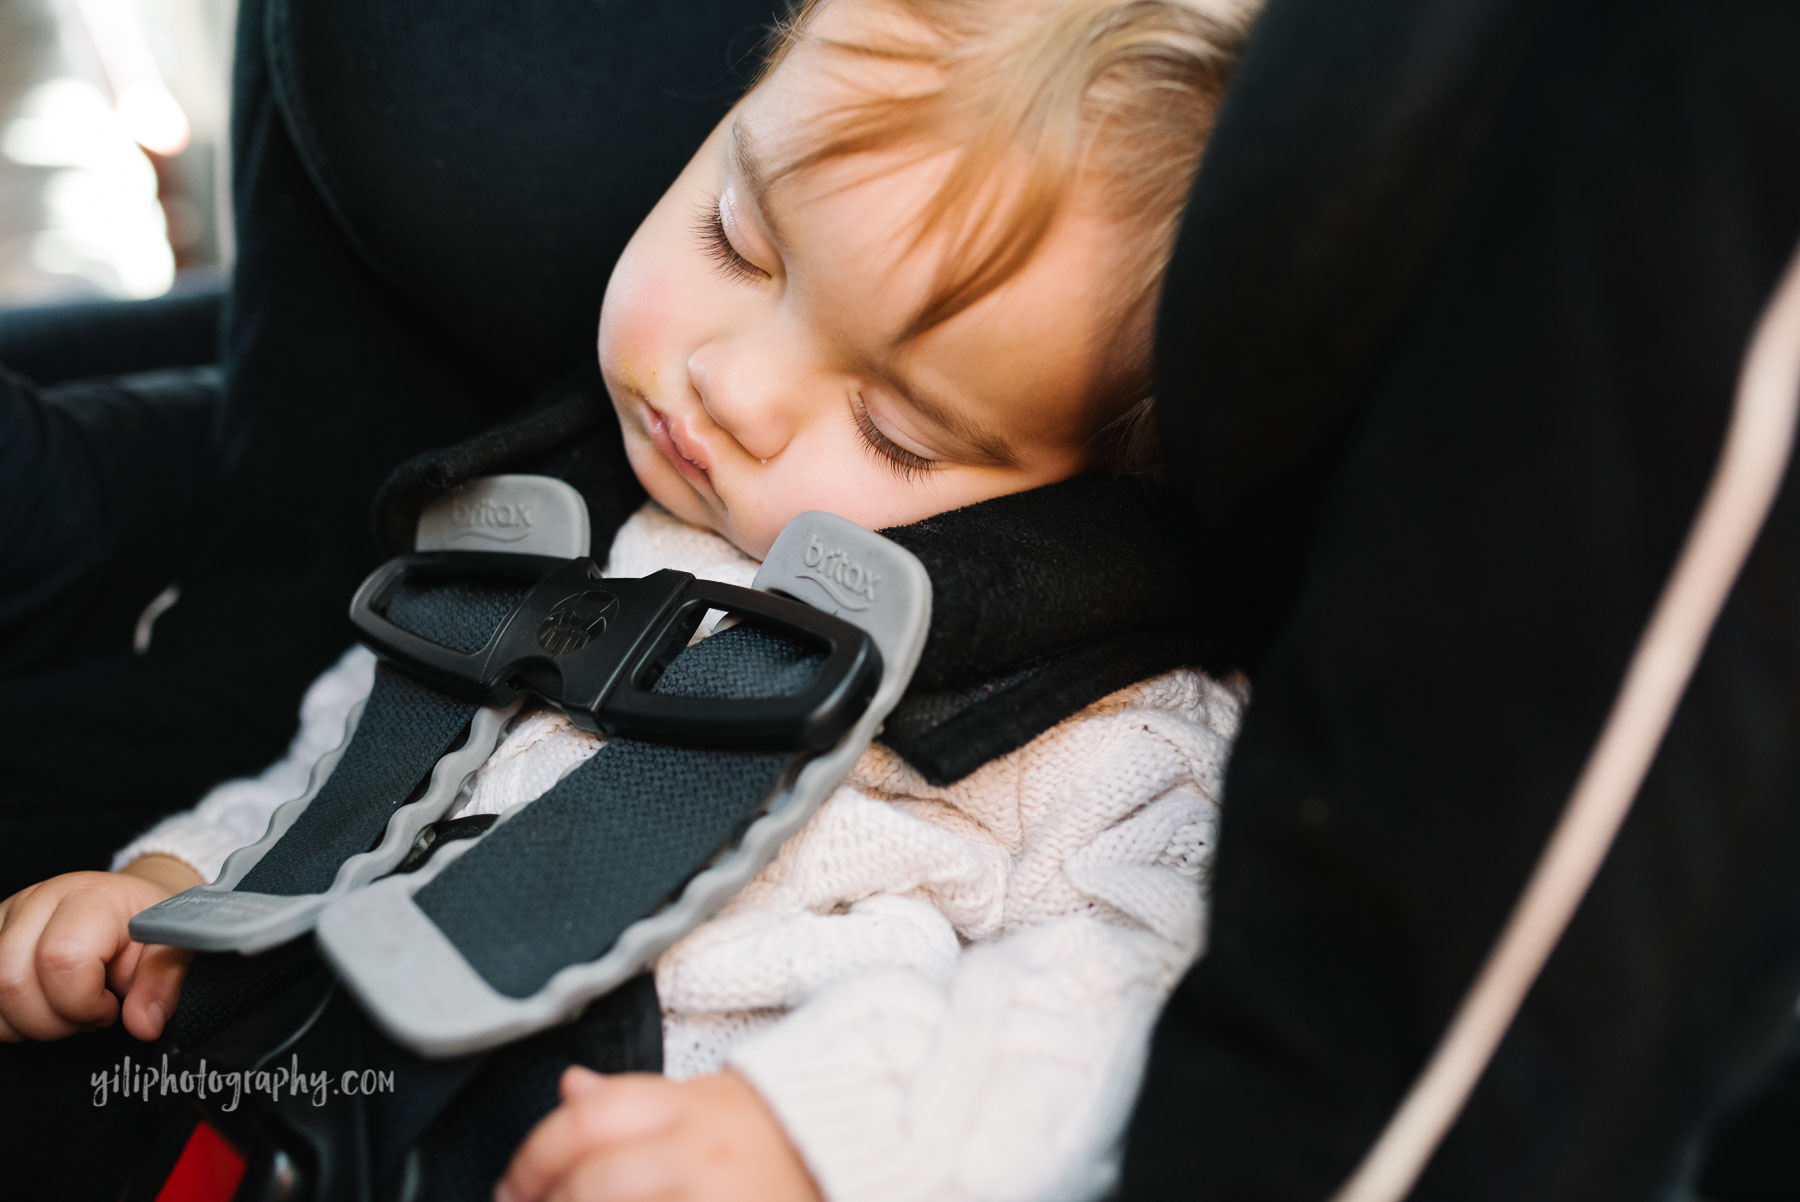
[{"x": 593, "y": 646}]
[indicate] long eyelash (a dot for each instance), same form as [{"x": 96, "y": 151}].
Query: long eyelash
[
  {"x": 709, "y": 228},
  {"x": 905, "y": 463}
]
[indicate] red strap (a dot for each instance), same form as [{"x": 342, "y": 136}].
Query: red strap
[{"x": 208, "y": 1171}]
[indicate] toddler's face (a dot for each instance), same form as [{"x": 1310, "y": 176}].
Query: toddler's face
[{"x": 747, "y": 335}]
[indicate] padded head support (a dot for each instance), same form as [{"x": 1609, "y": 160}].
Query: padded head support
[
  {"x": 1318, "y": 207},
  {"x": 493, "y": 159}
]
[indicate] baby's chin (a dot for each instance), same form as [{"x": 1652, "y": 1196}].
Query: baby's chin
[
  {"x": 754, "y": 543},
  {"x": 755, "y": 547}
]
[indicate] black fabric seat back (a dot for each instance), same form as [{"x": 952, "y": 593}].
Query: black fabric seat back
[{"x": 492, "y": 161}]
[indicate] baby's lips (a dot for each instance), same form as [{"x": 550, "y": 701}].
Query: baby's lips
[{"x": 686, "y": 445}]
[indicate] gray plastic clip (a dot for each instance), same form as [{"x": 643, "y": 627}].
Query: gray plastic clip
[{"x": 523, "y": 515}]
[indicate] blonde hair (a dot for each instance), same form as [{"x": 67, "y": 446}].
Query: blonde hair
[{"x": 1119, "y": 94}]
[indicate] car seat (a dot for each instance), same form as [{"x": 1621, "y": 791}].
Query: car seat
[{"x": 1444, "y": 360}]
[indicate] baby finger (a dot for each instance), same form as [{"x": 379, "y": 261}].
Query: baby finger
[
  {"x": 24, "y": 1011},
  {"x": 81, "y": 936}
]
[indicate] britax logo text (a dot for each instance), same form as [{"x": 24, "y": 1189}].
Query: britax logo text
[
  {"x": 498, "y": 520},
  {"x": 849, "y": 583}
]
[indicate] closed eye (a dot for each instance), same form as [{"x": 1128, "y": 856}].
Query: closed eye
[
  {"x": 709, "y": 228},
  {"x": 908, "y": 465}
]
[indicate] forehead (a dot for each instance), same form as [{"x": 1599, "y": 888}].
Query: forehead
[{"x": 1044, "y": 346}]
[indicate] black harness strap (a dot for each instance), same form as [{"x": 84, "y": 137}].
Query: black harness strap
[
  {"x": 405, "y": 729},
  {"x": 556, "y": 883}
]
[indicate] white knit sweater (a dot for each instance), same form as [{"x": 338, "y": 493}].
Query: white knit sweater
[{"x": 943, "y": 993}]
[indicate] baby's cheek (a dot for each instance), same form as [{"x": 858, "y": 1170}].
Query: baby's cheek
[
  {"x": 862, "y": 495},
  {"x": 625, "y": 328},
  {"x": 639, "y": 324}
]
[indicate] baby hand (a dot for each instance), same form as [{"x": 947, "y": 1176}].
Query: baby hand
[
  {"x": 640, "y": 1136},
  {"x": 67, "y": 956}
]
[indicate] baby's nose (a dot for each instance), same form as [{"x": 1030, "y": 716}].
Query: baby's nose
[{"x": 744, "y": 398}]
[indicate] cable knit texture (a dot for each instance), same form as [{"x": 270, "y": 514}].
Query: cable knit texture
[{"x": 943, "y": 992}]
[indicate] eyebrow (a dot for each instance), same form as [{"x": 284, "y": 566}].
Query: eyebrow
[
  {"x": 987, "y": 444},
  {"x": 756, "y": 181}
]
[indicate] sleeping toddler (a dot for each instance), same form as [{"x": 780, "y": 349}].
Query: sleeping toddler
[{"x": 915, "y": 267}]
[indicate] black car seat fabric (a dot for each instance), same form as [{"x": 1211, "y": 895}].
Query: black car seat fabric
[{"x": 1494, "y": 368}]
